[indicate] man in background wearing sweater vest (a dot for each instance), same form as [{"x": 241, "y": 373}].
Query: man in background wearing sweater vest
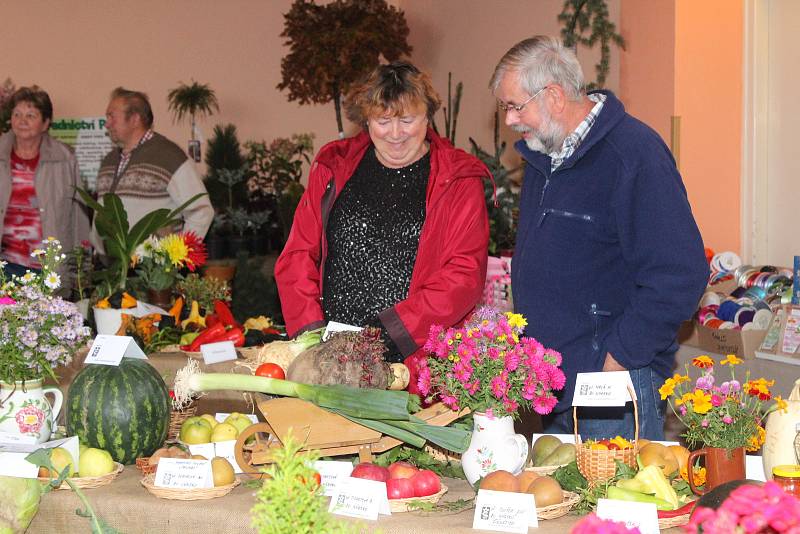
[{"x": 147, "y": 170}]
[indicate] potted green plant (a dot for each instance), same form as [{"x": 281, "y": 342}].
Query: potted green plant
[
  {"x": 205, "y": 290},
  {"x": 195, "y": 99}
]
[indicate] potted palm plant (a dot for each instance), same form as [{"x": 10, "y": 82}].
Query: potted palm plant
[{"x": 195, "y": 99}]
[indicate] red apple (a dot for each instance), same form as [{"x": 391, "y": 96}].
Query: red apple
[
  {"x": 425, "y": 483},
  {"x": 399, "y": 488},
  {"x": 402, "y": 470},
  {"x": 370, "y": 471}
]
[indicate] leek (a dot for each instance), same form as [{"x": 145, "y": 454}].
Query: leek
[
  {"x": 362, "y": 403},
  {"x": 416, "y": 432}
]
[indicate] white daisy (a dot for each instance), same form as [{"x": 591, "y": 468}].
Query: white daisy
[
  {"x": 28, "y": 277},
  {"x": 37, "y": 252},
  {"x": 52, "y": 281}
]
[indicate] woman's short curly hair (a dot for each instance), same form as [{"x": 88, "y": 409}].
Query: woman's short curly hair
[
  {"x": 35, "y": 96},
  {"x": 396, "y": 88}
]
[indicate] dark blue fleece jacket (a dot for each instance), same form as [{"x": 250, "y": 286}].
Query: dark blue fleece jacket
[{"x": 608, "y": 256}]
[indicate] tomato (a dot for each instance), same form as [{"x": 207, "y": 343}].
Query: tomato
[
  {"x": 425, "y": 483},
  {"x": 271, "y": 370},
  {"x": 399, "y": 488},
  {"x": 317, "y": 478}
]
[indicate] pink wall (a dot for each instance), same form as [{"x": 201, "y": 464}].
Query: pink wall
[{"x": 708, "y": 97}]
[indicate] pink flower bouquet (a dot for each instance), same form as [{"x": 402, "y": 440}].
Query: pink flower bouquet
[{"x": 487, "y": 366}]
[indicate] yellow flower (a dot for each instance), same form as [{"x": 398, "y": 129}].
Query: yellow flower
[
  {"x": 176, "y": 248},
  {"x": 501, "y": 337},
  {"x": 516, "y": 320},
  {"x": 458, "y": 335},
  {"x": 703, "y": 362},
  {"x": 701, "y": 401},
  {"x": 699, "y": 474},
  {"x": 667, "y": 389},
  {"x": 731, "y": 359},
  {"x": 780, "y": 404},
  {"x": 515, "y": 337},
  {"x": 756, "y": 440},
  {"x": 679, "y": 379}
]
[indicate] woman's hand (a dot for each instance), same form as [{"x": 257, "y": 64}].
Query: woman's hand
[{"x": 611, "y": 364}]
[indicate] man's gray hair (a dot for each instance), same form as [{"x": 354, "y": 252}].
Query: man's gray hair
[{"x": 540, "y": 61}]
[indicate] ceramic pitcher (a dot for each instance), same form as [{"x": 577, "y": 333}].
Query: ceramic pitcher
[
  {"x": 494, "y": 446},
  {"x": 26, "y": 412}
]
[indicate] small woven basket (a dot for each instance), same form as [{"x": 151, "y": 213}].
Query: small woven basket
[
  {"x": 543, "y": 470},
  {"x": 670, "y": 522},
  {"x": 89, "y": 482},
  {"x": 177, "y": 418},
  {"x": 186, "y": 494},
  {"x": 143, "y": 465},
  {"x": 402, "y": 505},
  {"x": 598, "y": 465},
  {"x": 557, "y": 510}
]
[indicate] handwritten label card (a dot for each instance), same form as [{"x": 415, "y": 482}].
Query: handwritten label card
[
  {"x": 633, "y": 514},
  {"x": 504, "y": 511},
  {"x": 109, "y": 350},
  {"x": 361, "y": 498},
  {"x": 223, "y": 351},
  {"x": 602, "y": 389},
  {"x": 184, "y": 474},
  {"x": 331, "y": 472}
]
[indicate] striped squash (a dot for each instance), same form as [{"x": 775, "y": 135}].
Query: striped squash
[{"x": 124, "y": 410}]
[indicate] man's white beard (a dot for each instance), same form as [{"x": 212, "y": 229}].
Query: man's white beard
[{"x": 545, "y": 141}]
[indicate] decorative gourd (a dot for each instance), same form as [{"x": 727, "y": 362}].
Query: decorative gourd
[
  {"x": 124, "y": 410},
  {"x": 781, "y": 430}
]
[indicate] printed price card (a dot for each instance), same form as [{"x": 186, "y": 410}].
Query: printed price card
[
  {"x": 184, "y": 474},
  {"x": 634, "y": 514},
  {"x": 109, "y": 350},
  {"x": 361, "y": 498},
  {"x": 602, "y": 389},
  {"x": 222, "y": 351},
  {"x": 334, "y": 326},
  {"x": 504, "y": 511},
  {"x": 331, "y": 472}
]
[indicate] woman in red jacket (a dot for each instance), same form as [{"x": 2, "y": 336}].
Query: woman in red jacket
[{"x": 392, "y": 230}]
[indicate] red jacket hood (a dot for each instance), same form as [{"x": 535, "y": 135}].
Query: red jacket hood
[{"x": 343, "y": 156}]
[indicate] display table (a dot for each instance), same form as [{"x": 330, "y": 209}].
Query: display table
[{"x": 128, "y": 507}]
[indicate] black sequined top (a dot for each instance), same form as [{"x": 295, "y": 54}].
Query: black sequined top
[{"x": 373, "y": 236}]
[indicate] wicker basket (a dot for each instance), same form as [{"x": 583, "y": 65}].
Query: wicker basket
[
  {"x": 89, "y": 482},
  {"x": 543, "y": 470},
  {"x": 598, "y": 465},
  {"x": 186, "y": 494},
  {"x": 670, "y": 522},
  {"x": 177, "y": 418},
  {"x": 557, "y": 510},
  {"x": 143, "y": 465},
  {"x": 402, "y": 505}
]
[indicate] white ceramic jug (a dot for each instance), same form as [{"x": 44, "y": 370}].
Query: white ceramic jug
[
  {"x": 494, "y": 446},
  {"x": 26, "y": 412}
]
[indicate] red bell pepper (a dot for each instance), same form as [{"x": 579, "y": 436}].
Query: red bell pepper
[
  {"x": 208, "y": 335},
  {"x": 224, "y": 313},
  {"x": 212, "y": 319},
  {"x": 235, "y": 334}
]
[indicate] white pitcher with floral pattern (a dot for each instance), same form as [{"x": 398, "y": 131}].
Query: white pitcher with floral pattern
[
  {"x": 494, "y": 446},
  {"x": 26, "y": 415}
]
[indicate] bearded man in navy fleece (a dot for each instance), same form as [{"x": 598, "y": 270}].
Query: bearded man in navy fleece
[{"x": 608, "y": 260}]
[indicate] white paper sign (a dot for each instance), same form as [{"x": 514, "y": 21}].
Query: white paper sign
[
  {"x": 12, "y": 456},
  {"x": 333, "y": 326},
  {"x": 220, "y": 448},
  {"x": 207, "y": 450},
  {"x": 109, "y": 350},
  {"x": 361, "y": 498},
  {"x": 221, "y": 416},
  {"x": 331, "y": 472},
  {"x": 634, "y": 514},
  {"x": 602, "y": 389},
  {"x": 6, "y": 437},
  {"x": 184, "y": 474},
  {"x": 222, "y": 351},
  {"x": 504, "y": 511}
]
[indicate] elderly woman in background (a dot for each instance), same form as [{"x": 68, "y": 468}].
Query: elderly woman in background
[
  {"x": 392, "y": 231},
  {"x": 38, "y": 176}
]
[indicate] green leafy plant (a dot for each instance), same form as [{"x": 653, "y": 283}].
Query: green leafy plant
[
  {"x": 578, "y": 16},
  {"x": 504, "y": 215},
  {"x": 204, "y": 290},
  {"x": 422, "y": 459},
  {"x": 41, "y": 458},
  {"x": 120, "y": 239},
  {"x": 193, "y": 100},
  {"x": 290, "y": 500},
  {"x": 256, "y": 293},
  {"x": 224, "y": 156},
  {"x": 334, "y": 45}
]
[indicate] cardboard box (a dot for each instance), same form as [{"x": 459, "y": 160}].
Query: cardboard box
[{"x": 742, "y": 343}]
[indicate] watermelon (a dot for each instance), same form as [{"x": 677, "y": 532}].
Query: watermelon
[{"x": 124, "y": 410}]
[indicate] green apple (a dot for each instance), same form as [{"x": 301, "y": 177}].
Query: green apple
[
  {"x": 95, "y": 463},
  {"x": 224, "y": 432},
  {"x": 195, "y": 430},
  {"x": 240, "y": 421},
  {"x": 210, "y": 418}
]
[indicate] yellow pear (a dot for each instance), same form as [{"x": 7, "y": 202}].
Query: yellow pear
[
  {"x": 210, "y": 418},
  {"x": 224, "y": 432},
  {"x": 222, "y": 471}
]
